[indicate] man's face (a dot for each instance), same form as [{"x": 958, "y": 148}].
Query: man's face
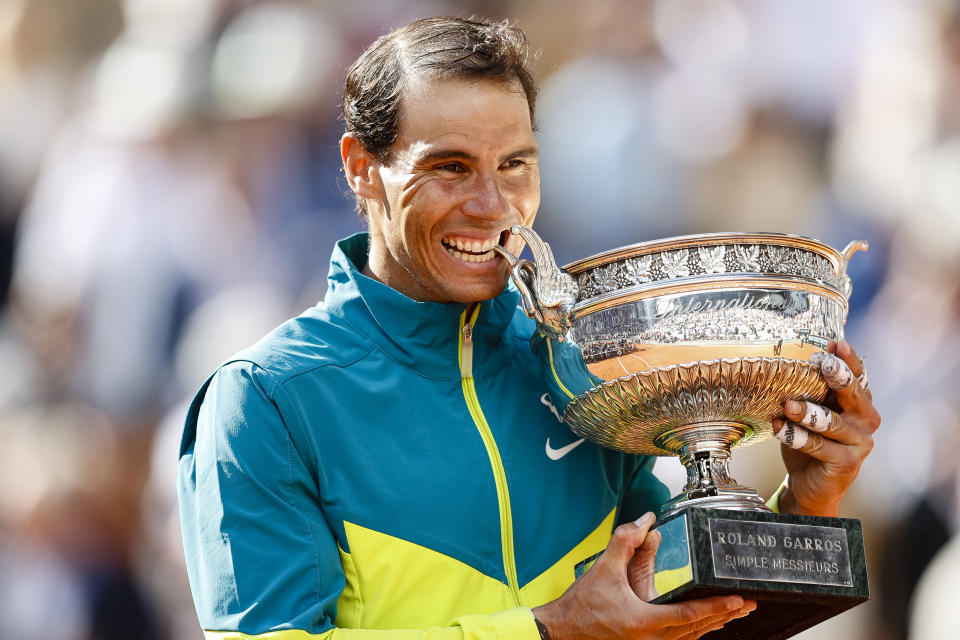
[{"x": 462, "y": 171}]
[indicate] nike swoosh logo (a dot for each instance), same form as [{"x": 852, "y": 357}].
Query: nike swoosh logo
[{"x": 556, "y": 454}]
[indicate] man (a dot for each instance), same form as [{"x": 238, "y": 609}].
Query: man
[{"x": 376, "y": 466}]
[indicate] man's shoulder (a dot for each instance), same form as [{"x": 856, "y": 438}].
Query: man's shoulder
[{"x": 315, "y": 339}]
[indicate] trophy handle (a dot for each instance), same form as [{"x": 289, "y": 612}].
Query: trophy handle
[
  {"x": 846, "y": 254},
  {"x": 523, "y": 273},
  {"x": 548, "y": 293}
]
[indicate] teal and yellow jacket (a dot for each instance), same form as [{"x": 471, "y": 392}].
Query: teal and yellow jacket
[{"x": 379, "y": 464}]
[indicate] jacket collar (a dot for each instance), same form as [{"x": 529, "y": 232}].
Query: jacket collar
[{"x": 421, "y": 336}]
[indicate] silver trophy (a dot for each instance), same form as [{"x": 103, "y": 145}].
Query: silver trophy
[
  {"x": 689, "y": 347},
  {"x": 694, "y": 342}
]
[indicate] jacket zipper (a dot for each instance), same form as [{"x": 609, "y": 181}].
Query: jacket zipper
[{"x": 499, "y": 475}]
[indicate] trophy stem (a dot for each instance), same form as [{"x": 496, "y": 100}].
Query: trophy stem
[{"x": 704, "y": 449}]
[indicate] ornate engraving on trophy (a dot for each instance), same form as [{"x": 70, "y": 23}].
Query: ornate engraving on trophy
[{"x": 724, "y": 258}]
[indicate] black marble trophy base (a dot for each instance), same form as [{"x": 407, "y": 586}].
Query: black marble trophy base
[{"x": 801, "y": 570}]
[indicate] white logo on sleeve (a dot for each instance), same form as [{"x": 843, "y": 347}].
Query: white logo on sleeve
[{"x": 556, "y": 454}]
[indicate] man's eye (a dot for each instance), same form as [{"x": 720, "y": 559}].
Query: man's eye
[
  {"x": 454, "y": 167},
  {"x": 516, "y": 162}
]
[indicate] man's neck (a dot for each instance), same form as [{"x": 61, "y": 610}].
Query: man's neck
[{"x": 367, "y": 271}]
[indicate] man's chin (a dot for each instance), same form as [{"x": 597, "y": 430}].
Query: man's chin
[{"x": 480, "y": 292}]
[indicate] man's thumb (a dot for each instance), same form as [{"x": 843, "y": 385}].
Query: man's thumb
[
  {"x": 627, "y": 538},
  {"x": 641, "y": 568}
]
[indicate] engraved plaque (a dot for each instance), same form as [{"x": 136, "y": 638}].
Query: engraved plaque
[{"x": 780, "y": 552}]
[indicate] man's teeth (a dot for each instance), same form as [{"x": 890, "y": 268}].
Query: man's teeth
[
  {"x": 478, "y": 251},
  {"x": 470, "y": 257}
]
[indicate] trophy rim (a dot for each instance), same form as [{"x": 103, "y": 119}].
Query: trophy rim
[{"x": 708, "y": 239}]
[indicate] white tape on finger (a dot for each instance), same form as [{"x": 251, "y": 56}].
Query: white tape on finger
[
  {"x": 864, "y": 381},
  {"x": 836, "y": 372},
  {"x": 817, "y": 418},
  {"x": 793, "y": 435}
]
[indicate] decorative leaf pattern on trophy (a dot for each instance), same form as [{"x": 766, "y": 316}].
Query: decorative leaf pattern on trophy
[
  {"x": 587, "y": 284},
  {"x": 638, "y": 269},
  {"x": 780, "y": 259},
  {"x": 675, "y": 263},
  {"x": 733, "y": 258},
  {"x": 606, "y": 278},
  {"x": 748, "y": 257},
  {"x": 819, "y": 269},
  {"x": 807, "y": 263},
  {"x": 711, "y": 258},
  {"x": 830, "y": 275}
]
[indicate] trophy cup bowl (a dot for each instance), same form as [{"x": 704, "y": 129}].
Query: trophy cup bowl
[{"x": 688, "y": 347}]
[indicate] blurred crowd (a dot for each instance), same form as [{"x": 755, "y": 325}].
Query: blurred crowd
[{"x": 170, "y": 191}]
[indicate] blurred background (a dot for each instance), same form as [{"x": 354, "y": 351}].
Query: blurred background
[{"x": 170, "y": 191}]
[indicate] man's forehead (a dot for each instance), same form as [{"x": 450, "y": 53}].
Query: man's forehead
[{"x": 447, "y": 114}]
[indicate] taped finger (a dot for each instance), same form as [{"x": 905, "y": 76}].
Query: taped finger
[
  {"x": 793, "y": 435},
  {"x": 863, "y": 380},
  {"x": 817, "y": 418},
  {"x": 835, "y": 371}
]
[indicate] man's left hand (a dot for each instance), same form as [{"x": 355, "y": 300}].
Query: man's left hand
[{"x": 824, "y": 445}]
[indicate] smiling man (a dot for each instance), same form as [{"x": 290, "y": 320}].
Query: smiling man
[
  {"x": 389, "y": 464},
  {"x": 462, "y": 170}
]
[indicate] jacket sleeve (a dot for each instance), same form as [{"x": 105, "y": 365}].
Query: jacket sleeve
[{"x": 263, "y": 562}]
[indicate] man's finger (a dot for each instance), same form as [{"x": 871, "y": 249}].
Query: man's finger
[
  {"x": 813, "y": 444},
  {"x": 815, "y": 418},
  {"x": 840, "y": 377},
  {"x": 712, "y": 623},
  {"x": 692, "y": 611},
  {"x": 641, "y": 568},
  {"x": 812, "y": 416},
  {"x": 696, "y": 631},
  {"x": 626, "y": 539},
  {"x": 845, "y": 351},
  {"x": 835, "y": 371},
  {"x": 791, "y": 434}
]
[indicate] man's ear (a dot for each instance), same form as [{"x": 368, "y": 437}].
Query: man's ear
[{"x": 359, "y": 167}]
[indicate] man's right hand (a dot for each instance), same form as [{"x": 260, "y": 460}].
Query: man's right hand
[{"x": 602, "y": 604}]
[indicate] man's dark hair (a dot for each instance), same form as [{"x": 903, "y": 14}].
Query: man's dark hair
[{"x": 433, "y": 48}]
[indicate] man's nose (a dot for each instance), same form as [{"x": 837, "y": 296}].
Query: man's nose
[{"x": 487, "y": 200}]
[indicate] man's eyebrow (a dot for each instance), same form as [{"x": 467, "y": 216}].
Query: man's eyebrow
[
  {"x": 459, "y": 154},
  {"x": 445, "y": 154},
  {"x": 525, "y": 152}
]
